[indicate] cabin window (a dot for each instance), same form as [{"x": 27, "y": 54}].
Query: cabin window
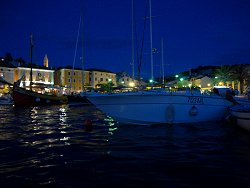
[{"x": 68, "y": 73}]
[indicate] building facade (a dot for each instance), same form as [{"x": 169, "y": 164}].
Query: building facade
[
  {"x": 40, "y": 77},
  {"x": 123, "y": 79},
  {"x": 7, "y": 74},
  {"x": 98, "y": 77},
  {"x": 72, "y": 79}
]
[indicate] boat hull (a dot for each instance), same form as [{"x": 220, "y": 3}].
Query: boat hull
[
  {"x": 157, "y": 108},
  {"x": 242, "y": 118},
  {"x": 23, "y": 97}
]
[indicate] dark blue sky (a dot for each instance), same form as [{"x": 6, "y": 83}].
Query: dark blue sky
[{"x": 195, "y": 32}]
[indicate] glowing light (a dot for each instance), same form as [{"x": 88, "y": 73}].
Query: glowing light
[
  {"x": 181, "y": 79},
  {"x": 131, "y": 84}
]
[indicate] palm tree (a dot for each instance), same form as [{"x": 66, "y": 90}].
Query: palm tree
[
  {"x": 240, "y": 73},
  {"x": 223, "y": 74}
]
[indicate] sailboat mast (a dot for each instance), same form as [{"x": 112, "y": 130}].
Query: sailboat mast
[
  {"x": 83, "y": 75},
  {"x": 162, "y": 62},
  {"x": 151, "y": 41},
  {"x": 73, "y": 68},
  {"x": 31, "y": 51},
  {"x": 133, "y": 53}
]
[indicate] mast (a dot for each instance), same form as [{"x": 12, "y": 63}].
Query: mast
[
  {"x": 151, "y": 41},
  {"x": 83, "y": 75},
  {"x": 31, "y": 51},
  {"x": 162, "y": 62},
  {"x": 133, "y": 55},
  {"x": 73, "y": 68}
]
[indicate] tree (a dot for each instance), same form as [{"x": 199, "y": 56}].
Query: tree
[
  {"x": 8, "y": 57},
  {"x": 240, "y": 73},
  {"x": 107, "y": 87},
  {"x": 21, "y": 61},
  {"x": 223, "y": 74}
]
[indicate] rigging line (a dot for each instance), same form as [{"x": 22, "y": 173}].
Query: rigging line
[{"x": 78, "y": 33}]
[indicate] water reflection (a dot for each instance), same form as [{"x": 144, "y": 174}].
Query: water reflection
[{"x": 111, "y": 123}]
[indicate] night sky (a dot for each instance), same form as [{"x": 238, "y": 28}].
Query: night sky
[{"x": 195, "y": 32}]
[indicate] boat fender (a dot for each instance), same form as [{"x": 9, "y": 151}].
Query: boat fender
[
  {"x": 193, "y": 111},
  {"x": 170, "y": 114},
  {"x": 37, "y": 99}
]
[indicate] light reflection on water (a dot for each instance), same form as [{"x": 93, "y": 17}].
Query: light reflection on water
[{"x": 50, "y": 146}]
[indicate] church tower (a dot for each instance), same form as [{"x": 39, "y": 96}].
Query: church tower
[{"x": 46, "y": 61}]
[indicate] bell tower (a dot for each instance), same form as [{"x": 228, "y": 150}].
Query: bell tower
[{"x": 46, "y": 61}]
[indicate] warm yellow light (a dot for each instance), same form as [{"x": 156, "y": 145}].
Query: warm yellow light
[
  {"x": 208, "y": 85},
  {"x": 131, "y": 84}
]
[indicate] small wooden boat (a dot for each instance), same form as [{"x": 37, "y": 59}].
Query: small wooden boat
[
  {"x": 23, "y": 97},
  {"x": 242, "y": 115}
]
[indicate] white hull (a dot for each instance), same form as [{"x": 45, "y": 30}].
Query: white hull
[
  {"x": 154, "y": 108},
  {"x": 242, "y": 117}
]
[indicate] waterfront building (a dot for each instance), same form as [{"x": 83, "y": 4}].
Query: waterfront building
[
  {"x": 100, "y": 76},
  {"x": 7, "y": 71},
  {"x": 123, "y": 79},
  {"x": 71, "y": 79},
  {"x": 13, "y": 71},
  {"x": 40, "y": 77},
  {"x": 204, "y": 82},
  {"x": 7, "y": 74}
]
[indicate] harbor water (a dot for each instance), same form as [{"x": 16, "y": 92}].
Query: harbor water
[{"x": 51, "y": 147}]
